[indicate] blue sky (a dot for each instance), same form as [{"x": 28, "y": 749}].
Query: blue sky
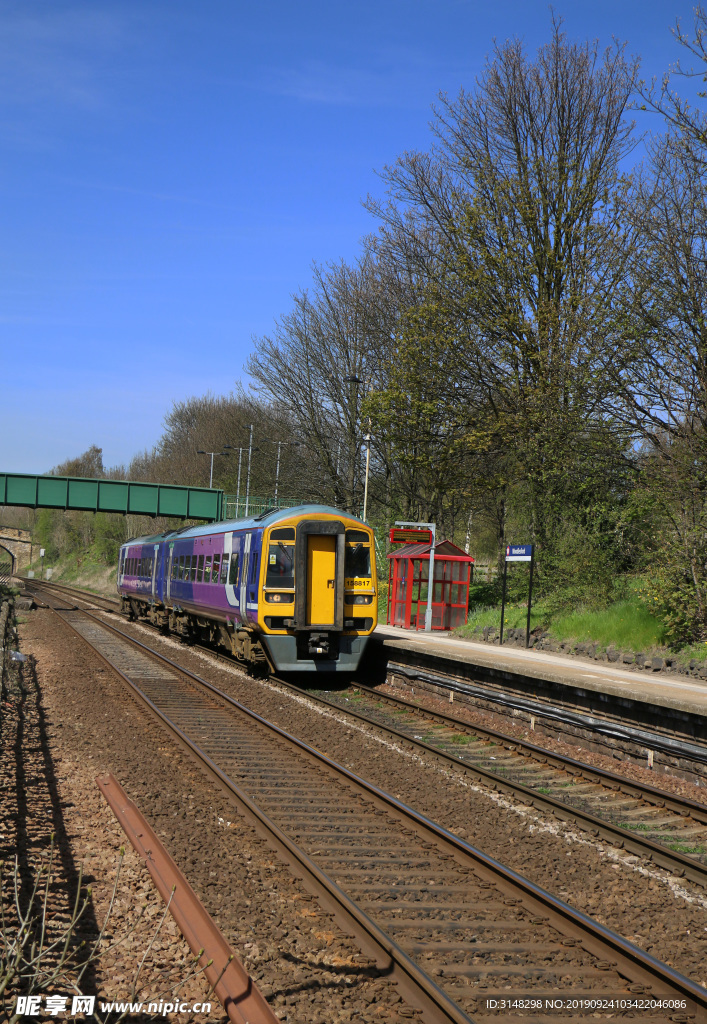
[{"x": 169, "y": 170}]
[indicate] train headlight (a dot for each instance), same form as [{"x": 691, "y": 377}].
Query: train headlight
[
  {"x": 359, "y": 598},
  {"x": 279, "y": 598}
]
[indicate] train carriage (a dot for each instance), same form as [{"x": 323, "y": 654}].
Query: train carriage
[{"x": 292, "y": 588}]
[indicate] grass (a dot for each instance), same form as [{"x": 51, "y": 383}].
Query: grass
[
  {"x": 91, "y": 574},
  {"x": 626, "y": 624}
]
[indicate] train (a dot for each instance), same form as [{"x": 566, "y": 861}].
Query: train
[{"x": 291, "y": 590}]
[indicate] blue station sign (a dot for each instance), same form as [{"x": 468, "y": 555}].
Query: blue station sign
[{"x": 519, "y": 552}]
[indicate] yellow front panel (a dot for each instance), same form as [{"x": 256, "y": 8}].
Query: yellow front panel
[{"x": 321, "y": 579}]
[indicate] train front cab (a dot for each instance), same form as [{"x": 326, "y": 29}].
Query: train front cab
[{"x": 323, "y": 623}]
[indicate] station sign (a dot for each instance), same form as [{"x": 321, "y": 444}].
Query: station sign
[
  {"x": 409, "y": 535},
  {"x": 519, "y": 552}
]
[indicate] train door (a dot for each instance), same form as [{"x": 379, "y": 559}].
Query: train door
[
  {"x": 155, "y": 562},
  {"x": 245, "y": 570},
  {"x": 320, "y": 547},
  {"x": 321, "y": 580},
  {"x": 231, "y": 552},
  {"x": 168, "y": 574}
]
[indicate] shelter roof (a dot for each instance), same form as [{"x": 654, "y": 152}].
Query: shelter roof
[{"x": 443, "y": 549}]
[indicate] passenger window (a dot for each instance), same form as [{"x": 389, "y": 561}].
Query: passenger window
[
  {"x": 200, "y": 569},
  {"x": 253, "y": 567},
  {"x": 224, "y": 570},
  {"x": 233, "y": 575},
  {"x": 207, "y": 569},
  {"x": 192, "y": 571},
  {"x": 214, "y": 570}
]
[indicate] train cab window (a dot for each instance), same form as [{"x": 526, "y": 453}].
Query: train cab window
[
  {"x": 281, "y": 563},
  {"x": 224, "y": 570},
  {"x": 253, "y": 566},
  {"x": 357, "y": 561},
  {"x": 233, "y": 574},
  {"x": 207, "y": 569},
  {"x": 283, "y": 533},
  {"x": 215, "y": 569},
  {"x": 200, "y": 569}
]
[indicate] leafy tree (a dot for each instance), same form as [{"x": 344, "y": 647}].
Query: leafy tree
[{"x": 514, "y": 222}]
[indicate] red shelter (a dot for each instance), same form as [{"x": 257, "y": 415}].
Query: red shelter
[{"x": 407, "y": 586}]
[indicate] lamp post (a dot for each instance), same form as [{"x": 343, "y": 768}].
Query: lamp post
[
  {"x": 247, "y": 486},
  {"x": 238, "y": 486},
  {"x": 200, "y": 451},
  {"x": 367, "y": 439},
  {"x": 250, "y": 455}
]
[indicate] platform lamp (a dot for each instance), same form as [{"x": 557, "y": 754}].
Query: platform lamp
[
  {"x": 367, "y": 439},
  {"x": 293, "y": 444},
  {"x": 250, "y": 456},
  {"x": 200, "y": 451},
  {"x": 238, "y": 485}
]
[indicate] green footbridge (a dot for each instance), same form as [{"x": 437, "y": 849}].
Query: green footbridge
[{"x": 127, "y": 497}]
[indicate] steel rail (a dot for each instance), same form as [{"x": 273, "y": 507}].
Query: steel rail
[
  {"x": 627, "y": 786},
  {"x": 673, "y": 861},
  {"x": 602, "y": 726},
  {"x": 234, "y": 988},
  {"x": 595, "y": 937},
  {"x": 76, "y": 592},
  {"x": 418, "y": 988}
]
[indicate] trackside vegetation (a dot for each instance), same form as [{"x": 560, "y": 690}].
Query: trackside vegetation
[{"x": 521, "y": 346}]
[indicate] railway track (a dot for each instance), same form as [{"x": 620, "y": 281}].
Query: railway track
[
  {"x": 457, "y": 931},
  {"x": 668, "y": 830},
  {"x": 75, "y": 593}
]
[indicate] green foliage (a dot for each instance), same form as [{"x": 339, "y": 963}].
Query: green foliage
[
  {"x": 110, "y": 532},
  {"x": 627, "y": 624},
  {"x": 578, "y": 570}
]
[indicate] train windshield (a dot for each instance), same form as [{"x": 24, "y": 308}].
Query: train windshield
[
  {"x": 358, "y": 555},
  {"x": 281, "y": 565}
]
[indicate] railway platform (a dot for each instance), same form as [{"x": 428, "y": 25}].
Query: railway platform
[
  {"x": 654, "y": 717},
  {"x": 657, "y": 688}
]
